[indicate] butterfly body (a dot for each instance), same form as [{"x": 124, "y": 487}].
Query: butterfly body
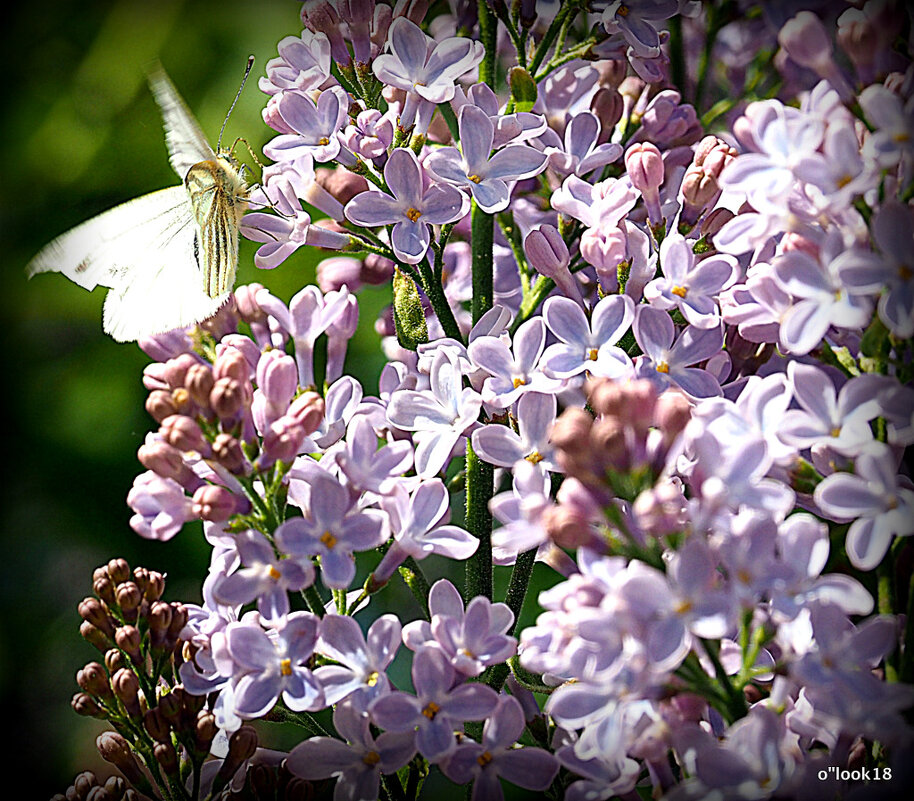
[{"x": 169, "y": 257}]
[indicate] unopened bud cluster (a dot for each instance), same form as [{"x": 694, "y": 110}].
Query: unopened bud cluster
[
  {"x": 88, "y": 787},
  {"x": 617, "y": 451},
  {"x": 221, "y": 423}
]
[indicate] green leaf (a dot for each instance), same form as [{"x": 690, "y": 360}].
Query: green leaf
[
  {"x": 523, "y": 89},
  {"x": 875, "y": 340}
]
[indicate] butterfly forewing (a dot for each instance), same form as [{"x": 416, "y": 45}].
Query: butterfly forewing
[
  {"x": 185, "y": 140},
  {"x": 217, "y": 195}
]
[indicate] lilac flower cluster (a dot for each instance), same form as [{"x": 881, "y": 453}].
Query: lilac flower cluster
[{"x": 663, "y": 372}]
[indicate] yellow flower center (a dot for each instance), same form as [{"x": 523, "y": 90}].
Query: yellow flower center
[
  {"x": 285, "y": 667},
  {"x": 905, "y": 272},
  {"x": 592, "y": 354},
  {"x": 519, "y": 382},
  {"x": 372, "y": 678},
  {"x": 371, "y": 758},
  {"x": 323, "y": 141},
  {"x": 413, "y": 214},
  {"x": 431, "y": 710},
  {"x": 663, "y": 367},
  {"x": 679, "y": 290},
  {"x": 836, "y": 431},
  {"x": 474, "y": 178},
  {"x": 484, "y": 758},
  {"x": 534, "y": 458},
  {"x": 328, "y": 539},
  {"x": 274, "y": 573}
]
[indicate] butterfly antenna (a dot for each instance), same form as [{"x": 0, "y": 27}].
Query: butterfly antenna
[{"x": 247, "y": 71}]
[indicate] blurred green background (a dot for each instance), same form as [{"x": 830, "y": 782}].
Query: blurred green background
[{"x": 81, "y": 133}]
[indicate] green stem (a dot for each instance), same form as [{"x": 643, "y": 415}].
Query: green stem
[
  {"x": 549, "y": 37},
  {"x": 314, "y": 601},
  {"x": 480, "y": 488},
  {"x": 514, "y": 598},
  {"x": 736, "y": 701},
  {"x": 885, "y": 599},
  {"x": 488, "y": 29},
  {"x": 438, "y": 299},
  {"x": 906, "y": 673},
  {"x": 483, "y": 231}
]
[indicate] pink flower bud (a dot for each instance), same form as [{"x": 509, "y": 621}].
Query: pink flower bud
[
  {"x": 806, "y": 41},
  {"x": 229, "y": 398},
  {"x": 213, "y": 503},
  {"x": 645, "y": 170},
  {"x": 167, "y": 461},
  {"x": 277, "y": 377},
  {"x": 176, "y": 369},
  {"x": 184, "y": 434},
  {"x": 308, "y": 411},
  {"x": 338, "y": 271},
  {"x": 199, "y": 383},
  {"x": 232, "y": 363}
]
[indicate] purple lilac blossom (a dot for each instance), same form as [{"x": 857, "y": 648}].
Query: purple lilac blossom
[
  {"x": 877, "y": 502},
  {"x": 267, "y": 667},
  {"x": 357, "y": 761},
  {"x": 439, "y": 707},
  {"x": 486, "y": 176},
  {"x": 332, "y": 530},
  {"x": 666, "y": 362},
  {"x": 360, "y": 675},
  {"x": 688, "y": 284},
  {"x": 588, "y": 345},
  {"x": 484, "y": 763},
  {"x": 438, "y": 416},
  {"x": 501, "y": 446},
  {"x": 413, "y": 207}
]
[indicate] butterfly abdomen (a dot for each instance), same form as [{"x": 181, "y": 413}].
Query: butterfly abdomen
[{"x": 217, "y": 195}]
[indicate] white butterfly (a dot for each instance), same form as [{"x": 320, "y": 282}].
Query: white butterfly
[{"x": 169, "y": 257}]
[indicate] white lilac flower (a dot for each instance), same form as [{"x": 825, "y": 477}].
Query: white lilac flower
[
  {"x": 502, "y": 446},
  {"x": 878, "y": 503},
  {"x": 666, "y": 362},
  {"x": 362, "y": 659},
  {"x": 588, "y": 345},
  {"x": 367, "y": 467},
  {"x": 414, "y": 206},
  {"x": 438, "y": 416},
  {"x": 516, "y": 370},
  {"x": 688, "y": 284},
  {"x": 474, "y": 167}
]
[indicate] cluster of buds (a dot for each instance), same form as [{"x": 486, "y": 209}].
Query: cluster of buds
[
  {"x": 221, "y": 422},
  {"x": 88, "y": 787},
  {"x": 133, "y": 686},
  {"x": 618, "y": 451},
  {"x": 700, "y": 189},
  {"x": 126, "y": 618}
]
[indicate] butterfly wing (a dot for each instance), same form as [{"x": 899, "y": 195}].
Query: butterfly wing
[
  {"x": 185, "y": 140},
  {"x": 146, "y": 250}
]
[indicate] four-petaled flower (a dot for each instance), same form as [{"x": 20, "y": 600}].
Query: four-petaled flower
[{"x": 415, "y": 205}]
